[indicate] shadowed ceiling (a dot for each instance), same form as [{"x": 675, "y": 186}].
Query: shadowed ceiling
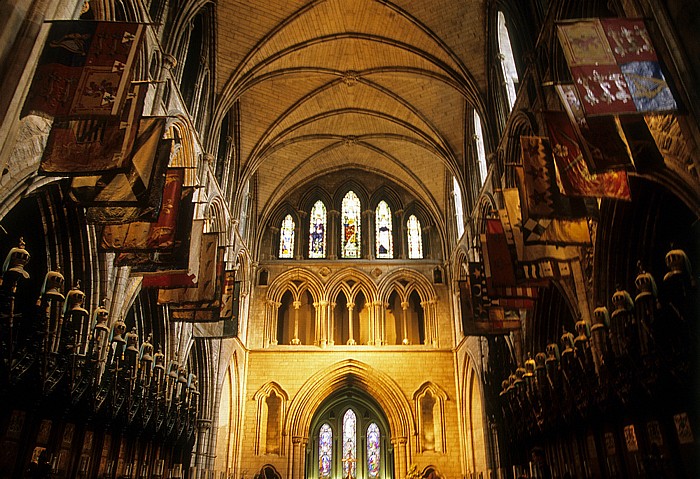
[{"x": 366, "y": 84}]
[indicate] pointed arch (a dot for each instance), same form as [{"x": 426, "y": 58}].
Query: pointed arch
[
  {"x": 350, "y": 372},
  {"x": 473, "y": 417},
  {"x": 429, "y": 402},
  {"x": 272, "y": 401}
]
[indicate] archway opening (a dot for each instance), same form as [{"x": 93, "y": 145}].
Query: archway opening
[{"x": 349, "y": 437}]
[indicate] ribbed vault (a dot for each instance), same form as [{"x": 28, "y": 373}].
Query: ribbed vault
[{"x": 374, "y": 85}]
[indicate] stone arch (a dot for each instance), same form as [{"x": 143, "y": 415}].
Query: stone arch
[
  {"x": 298, "y": 280},
  {"x": 344, "y": 374},
  {"x": 429, "y": 402},
  {"x": 414, "y": 282},
  {"x": 473, "y": 418},
  {"x": 405, "y": 283},
  {"x": 361, "y": 322},
  {"x": 360, "y": 282},
  {"x": 269, "y": 437},
  {"x": 185, "y": 151}
]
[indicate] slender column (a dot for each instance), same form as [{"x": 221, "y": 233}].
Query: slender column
[
  {"x": 367, "y": 245},
  {"x": 400, "y": 458},
  {"x": 385, "y": 305},
  {"x": 351, "y": 341},
  {"x": 331, "y": 323},
  {"x": 203, "y": 441},
  {"x": 296, "y": 458},
  {"x": 323, "y": 322},
  {"x": 429, "y": 317},
  {"x": 372, "y": 326},
  {"x": 333, "y": 235},
  {"x": 271, "y": 320},
  {"x": 297, "y": 305},
  {"x": 404, "y": 308}
]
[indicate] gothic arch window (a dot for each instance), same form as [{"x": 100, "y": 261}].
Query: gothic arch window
[
  {"x": 415, "y": 238},
  {"x": 505, "y": 54},
  {"x": 373, "y": 451},
  {"x": 429, "y": 402},
  {"x": 325, "y": 451},
  {"x": 349, "y": 444},
  {"x": 350, "y": 231},
  {"x": 287, "y": 238},
  {"x": 480, "y": 148},
  {"x": 193, "y": 57},
  {"x": 459, "y": 212},
  {"x": 384, "y": 238},
  {"x": 317, "y": 231},
  {"x": 271, "y": 400},
  {"x": 350, "y": 439}
]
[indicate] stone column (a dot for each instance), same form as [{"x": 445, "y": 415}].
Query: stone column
[
  {"x": 322, "y": 322},
  {"x": 203, "y": 461},
  {"x": 271, "y": 322},
  {"x": 332, "y": 234},
  {"x": 351, "y": 340},
  {"x": 295, "y": 339},
  {"x": 296, "y": 466},
  {"x": 331, "y": 323},
  {"x": 400, "y": 457},
  {"x": 399, "y": 237},
  {"x": 404, "y": 308},
  {"x": 366, "y": 246}
]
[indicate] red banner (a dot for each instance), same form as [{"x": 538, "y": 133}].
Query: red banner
[{"x": 84, "y": 69}]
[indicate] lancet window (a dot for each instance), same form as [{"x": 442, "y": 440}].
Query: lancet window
[
  {"x": 287, "y": 238},
  {"x": 384, "y": 240},
  {"x": 350, "y": 238},
  {"x": 415, "y": 238},
  {"x": 317, "y": 231},
  {"x": 505, "y": 50}
]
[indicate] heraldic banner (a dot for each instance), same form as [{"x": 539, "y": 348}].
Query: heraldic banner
[
  {"x": 614, "y": 66},
  {"x": 84, "y": 69}
]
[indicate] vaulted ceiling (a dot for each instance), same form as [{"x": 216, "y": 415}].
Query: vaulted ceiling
[{"x": 371, "y": 84}]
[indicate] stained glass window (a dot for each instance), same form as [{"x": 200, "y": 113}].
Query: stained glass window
[
  {"x": 505, "y": 49},
  {"x": 373, "y": 457},
  {"x": 325, "y": 451},
  {"x": 385, "y": 242},
  {"x": 415, "y": 239},
  {"x": 459, "y": 214},
  {"x": 480, "y": 149},
  {"x": 317, "y": 231},
  {"x": 351, "y": 226},
  {"x": 349, "y": 444},
  {"x": 287, "y": 238}
]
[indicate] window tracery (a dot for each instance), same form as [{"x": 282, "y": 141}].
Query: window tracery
[
  {"x": 317, "y": 231},
  {"x": 415, "y": 238},
  {"x": 349, "y": 444},
  {"x": 385, "y": 244},
  {"x": 505, "y": 49},
  {"x": 351, "y": 226},
  {"x": 480, "y": 148},
  {"x": 459, "y": 212},
  {"x": 373, "y": 451},
  {"x": 325, "y": 450},
  {"x": 287, "y": 238}
]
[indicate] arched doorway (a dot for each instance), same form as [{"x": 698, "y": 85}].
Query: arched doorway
[{"x": 349, "y": 437}]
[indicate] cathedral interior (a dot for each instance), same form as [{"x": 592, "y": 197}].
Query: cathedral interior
[{"x": 361, "y": 239}]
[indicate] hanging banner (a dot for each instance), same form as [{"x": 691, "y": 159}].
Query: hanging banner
[
  {"x": 98, "y": 145},
  {"x": 146, "y": 174},
  {"x": 84, "y": 69},
  {"x": 614, "y": 66},
  {"x": 540, "y": 196},
  {"x": 145, "y": 236},
  {"x": 573, "y": 176}
]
